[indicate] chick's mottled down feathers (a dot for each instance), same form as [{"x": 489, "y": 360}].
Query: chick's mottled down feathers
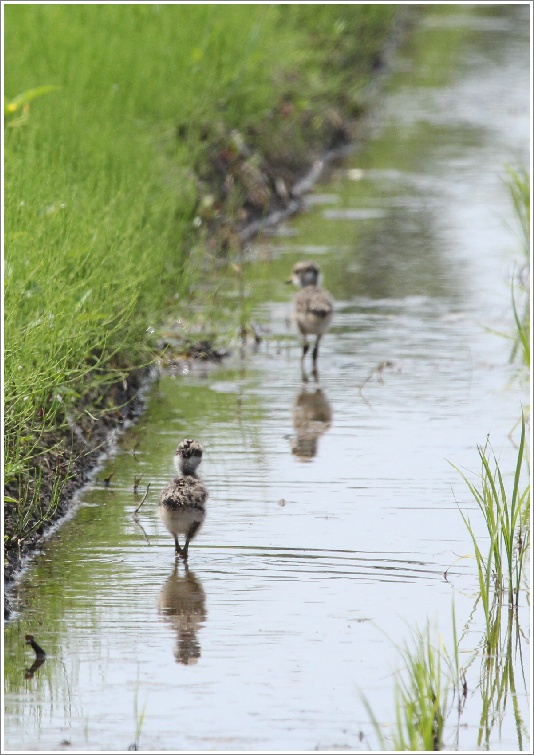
[
  {"x": 183, "y": 492},
  {"x": 314, "y": 308}
]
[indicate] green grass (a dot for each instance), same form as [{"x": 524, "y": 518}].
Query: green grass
[
  {"x": 114, "y": 115},
  {"x": 430, "y": 674},
  {"x": 139, "y": 718},
  {"x": 506, "y": 516},
  {"x": 505, "y": 508},
  {"x": 507, "y": 513},
  {"x": 500, "y": 652},
  {"x": 502, "y": 583},
  {"x": 518, "y": 183},
  {"x": 422, "y": 693},
  {"x": 431, "y": 688}
]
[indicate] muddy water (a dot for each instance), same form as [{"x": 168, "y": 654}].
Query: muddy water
[{"x": 332, "y": 512}]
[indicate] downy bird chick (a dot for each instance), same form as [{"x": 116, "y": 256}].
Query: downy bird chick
[
  {"x": 181, "y": 502},
  {"x": 313, "y": 307}
]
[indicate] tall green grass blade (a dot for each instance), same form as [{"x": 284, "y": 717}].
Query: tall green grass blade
[
  {"x": 522, "y": 342},
  {"x": 421, "y": 692},
  {"x": 518, "y": 183},
  {"x": 24, "y": 98}
]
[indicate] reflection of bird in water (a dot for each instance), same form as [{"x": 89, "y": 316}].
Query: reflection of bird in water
[
  {"x": 182, "y": 603},
  {"x": 181, "y": 502},
  {"x": 312, "y": 416},
  {"x": 313, "y": 307}
]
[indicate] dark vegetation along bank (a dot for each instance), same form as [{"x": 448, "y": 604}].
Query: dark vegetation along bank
[{"x": 141, "y": 142}]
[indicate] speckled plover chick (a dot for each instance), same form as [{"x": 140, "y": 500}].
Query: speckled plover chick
[
  {"x": 313, "y": 306},
  {"x": 181, "y": 502}
]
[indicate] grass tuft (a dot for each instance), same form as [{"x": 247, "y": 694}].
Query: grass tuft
[
  {"x": 518, "y": 183},
  {"x": 506, "y": 516},
  {"x": 422, "y": 694}
]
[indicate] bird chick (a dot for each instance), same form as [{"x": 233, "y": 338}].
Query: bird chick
[
  {"x": 313, "y": 307},
  {"x": 181, "y": 502}
]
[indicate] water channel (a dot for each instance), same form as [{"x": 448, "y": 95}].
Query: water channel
[{"x": 333, "y": 510}]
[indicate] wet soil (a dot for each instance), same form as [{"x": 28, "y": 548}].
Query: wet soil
[{"x": 71, "y": 456}]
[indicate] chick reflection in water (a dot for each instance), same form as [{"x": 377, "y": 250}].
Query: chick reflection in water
[
  {"x": 312, "y": 417},
  {"x": 182, "y": 604}
]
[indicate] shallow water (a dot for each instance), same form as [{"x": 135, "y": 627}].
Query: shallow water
[{"x": 333, "y": 526}]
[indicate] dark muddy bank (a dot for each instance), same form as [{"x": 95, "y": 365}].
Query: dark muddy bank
[{"x": 71, "y": 458}]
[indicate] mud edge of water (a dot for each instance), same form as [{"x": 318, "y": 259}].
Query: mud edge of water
[
  {"x": 82, "y": 447},
  {"x": 74, "y": 456}
]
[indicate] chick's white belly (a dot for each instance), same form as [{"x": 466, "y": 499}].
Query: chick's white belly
[{"x": 180, "y": 521}]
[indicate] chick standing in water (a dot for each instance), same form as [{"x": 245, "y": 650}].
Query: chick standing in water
[
  {"x": 313, "y": 307},
  {"x": 181, "y": 502}
]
